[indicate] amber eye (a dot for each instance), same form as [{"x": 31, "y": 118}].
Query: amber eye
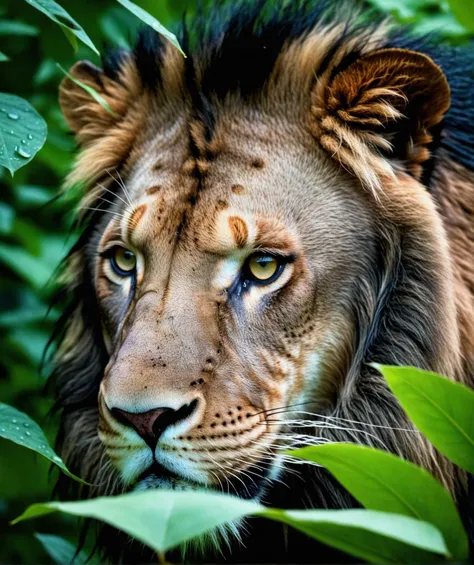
[
  {"x": 123, "y": 261},
  {"x": 264, "y": 268}
]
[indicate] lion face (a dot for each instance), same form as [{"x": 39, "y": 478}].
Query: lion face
[
  {"x": 219, "y": 300},
  {"x": 260, "y": 235}
]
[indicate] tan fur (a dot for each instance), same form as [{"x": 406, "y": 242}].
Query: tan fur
[{"x": 360, "y": 229}]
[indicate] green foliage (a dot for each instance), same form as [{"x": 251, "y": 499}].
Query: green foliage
[
  {"x": 22, "y": 132},
  {"x": 382, "y": 481},
  {"x": 72, "y": 30},
  {"x": 63, "y": 552},
  {"x": 20, "y": 428},
  {"x": 442, "y": 410},
  {"x": 377, "y": 537},
  {"x": 164, "y": 519},
  {"x": 148, "y": 19}
]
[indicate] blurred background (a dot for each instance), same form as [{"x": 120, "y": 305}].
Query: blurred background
[{"x": 36, "y": 229}]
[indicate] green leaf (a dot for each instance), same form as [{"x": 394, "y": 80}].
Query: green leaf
[
  {"x": 378, "y": 537},
  {"x": 95, "y": 95},
  {"x": 164, "y": 519},
  {"x": 3, "y": 58},
  {"x": 152, "y": 22},
  {"x": 464, "y": 12},
  {"x": 161, "y": 519},
  {"x": 16, "y": 27},
  {"x": 22, "y": 132},
  {"x": 70, "y": 27},
  {"x": 441, "y": 409},
  {"x": 382, "y": 481},
  {"x": 61, "y": 551},
  {"x": 16, "y": 426}
]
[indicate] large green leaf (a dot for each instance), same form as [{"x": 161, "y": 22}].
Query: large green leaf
[
  {"x": 441, "y": 409},
  {"x": 22, "y": 132},
  {"x": 16, "y": 426},
  {"x": 152, "y": 22},
  {"x": 378, "y": 537},
  {"x": 63, "y": 552},
  {"x": 164, "y": 519},
  {"x": 70, "y": 27},
  {"x": 160, "y": 519},
  {"x": 382, "y": 481}
]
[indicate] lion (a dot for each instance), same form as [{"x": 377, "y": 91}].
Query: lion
[{"x": 261, "y": 222}]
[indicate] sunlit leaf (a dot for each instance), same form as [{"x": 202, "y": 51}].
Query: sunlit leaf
[
  {"x": 95, "y": 95},
  {"x": 22, "y": 132},
  {"x": 441, "y": 409},
  {"x": 63, "y": 552},
  {"x": 160, "y": 519},
  {"x": 152, "y": 22},
  {"x": 16, "y": 426},
  {"x": 164, "y": 519},
  {"x": 378, "y": 537},
  {"x": 382, "y": 481},
  {"x": 70, "y": 27}
]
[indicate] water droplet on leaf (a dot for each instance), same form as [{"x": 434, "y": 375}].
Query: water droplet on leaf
[
  {"x": 28, "y": 433},
  {"x": 13, "y": 116},
  {"x": 30, "y": 136},
  {"x": 22, "y": 153}
]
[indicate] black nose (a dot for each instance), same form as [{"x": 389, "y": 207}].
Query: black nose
[{"x": 151, "y": 424}]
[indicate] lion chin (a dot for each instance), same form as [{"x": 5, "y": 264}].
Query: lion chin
[{"x": 159, "y": 477}]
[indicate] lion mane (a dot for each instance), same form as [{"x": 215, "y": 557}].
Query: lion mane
[{"x": 390, "y": 112}]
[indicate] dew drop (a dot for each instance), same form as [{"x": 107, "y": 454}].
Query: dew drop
[
  {"x": 56, "y": 458},
  {"x": 3, "y": 430},
  {"x": 29, "y": 136},
  {"x": 12, "y": 132},
  {"x": 14, "y": 421},
  {"x": 28, "y": 433},
  {"x": 22, "y": 153},
  {"x": 13, "y": 116},
  {"x": 26, "y": 425},
  {"x": 23, "y": 141},
  {"x": 17, "y": 428},
  {"x": 22, "y": 438}
]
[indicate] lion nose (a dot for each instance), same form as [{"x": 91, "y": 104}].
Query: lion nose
[{"x": 150, "y": 425}]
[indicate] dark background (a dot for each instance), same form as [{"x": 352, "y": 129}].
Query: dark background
[{"x": 35, "y": 232}]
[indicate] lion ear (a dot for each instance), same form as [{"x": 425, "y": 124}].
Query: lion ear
[
  {"x": 381, "y": 109},
  {"x": 87, "y": 118}
]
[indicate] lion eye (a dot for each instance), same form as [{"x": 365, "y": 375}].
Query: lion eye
[
  {"x": 123, "y": 261},
  {"x": 264, "y": 268}
]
